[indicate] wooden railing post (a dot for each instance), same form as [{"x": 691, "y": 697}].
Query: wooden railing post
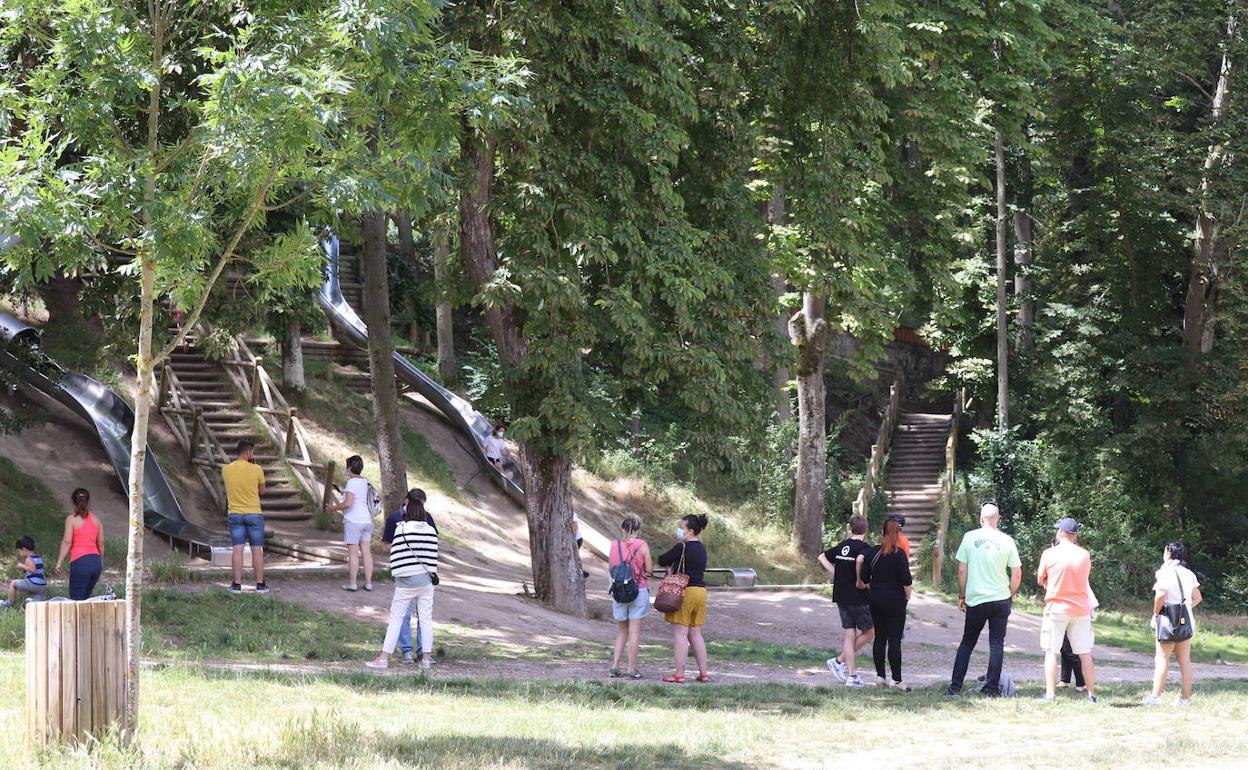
[
  {"x": 290, "y": 433},
  {"x": 163, "y": 395},
  {"x": 329, "y": 485},
  {"x": 196, "y": 416},
  {"x": 255, "y": 382}
]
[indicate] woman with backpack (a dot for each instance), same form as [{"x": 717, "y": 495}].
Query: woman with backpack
[
  {"x": 414, "y": 565},
  {"x": 1176, "y": 592},
  {"x": 630, "y": 598},
  {"x": 358, "y": 498},
  {"x": 688, "y": 558},
  {"x": 887, "y": 575}
]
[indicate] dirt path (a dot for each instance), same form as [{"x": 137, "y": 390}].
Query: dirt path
[{"x": 564, "y": 647}]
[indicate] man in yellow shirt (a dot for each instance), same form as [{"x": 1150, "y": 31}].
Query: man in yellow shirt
[{"x": 244, "y": 483}]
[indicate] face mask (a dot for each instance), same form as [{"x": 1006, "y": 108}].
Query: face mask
[
  {"x": 500, "y": 434},
  {"x": 680, "y": 533}
]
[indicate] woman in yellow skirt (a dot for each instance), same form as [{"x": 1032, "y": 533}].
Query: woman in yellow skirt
[{"x": 688, "y": 557}]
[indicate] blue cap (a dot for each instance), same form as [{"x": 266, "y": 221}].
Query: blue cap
[{"x": 1068, "y": 525}]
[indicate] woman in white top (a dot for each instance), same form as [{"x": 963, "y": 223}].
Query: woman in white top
[
  {"x": 414, "y": 565},
  {"x": 1175, "y": 584},
  {"x": 357, "y": 524},
  {"x": 495, "y": 448}
]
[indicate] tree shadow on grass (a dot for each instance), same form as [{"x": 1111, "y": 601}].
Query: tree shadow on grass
[
  {"x": 474, "y": 751},
  {"x": 767, "y": 698}
]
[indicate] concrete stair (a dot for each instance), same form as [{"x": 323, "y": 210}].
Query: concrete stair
[
  {"x": 228, "y": 420},
  {"x": 917, "y": 459}
]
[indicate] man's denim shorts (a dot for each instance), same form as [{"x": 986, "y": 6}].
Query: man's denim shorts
[{"x": 246, "y": 528}]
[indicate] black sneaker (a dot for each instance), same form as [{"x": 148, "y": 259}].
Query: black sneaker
[
  {"x": 953, "y": 692},
  {"x": 235, "y": 588},
  {"x": 262, "y": 588}
]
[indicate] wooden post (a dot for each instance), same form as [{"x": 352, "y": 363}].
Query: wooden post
[
  {"x": 329, "y": 485},
  {"x": 164, "y": 388},
  {"x": 255, "y": 382},
  {"x": 290, "y": 432},
  {"x": 75, "y": 666},
  {"x": 196, "y": 417}
]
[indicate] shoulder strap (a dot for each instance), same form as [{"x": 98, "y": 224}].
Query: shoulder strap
[{"x": 1177, "y": 579}]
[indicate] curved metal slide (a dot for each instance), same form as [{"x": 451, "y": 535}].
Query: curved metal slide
[
  {"x": 113, "y": 421},
  {"x": 349, "y": 328}
]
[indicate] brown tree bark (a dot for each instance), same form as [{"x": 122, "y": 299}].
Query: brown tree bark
[
  {"x": 443, "y": 317},
  {"x": 548, "y": 475},
  {"x": 1003, "y": 338},
  {"x": 407, "y": 243},
  {"x": 293, "y": 381},
  {"x": 808, "y": 332},
  {"x": 780, "y": 372},
  {"x": 1023, "y": 257},
  {"x": 557, "y": 575},
  {"x": 1208, "y": 251},
  {"x": 381, "y": 360}
]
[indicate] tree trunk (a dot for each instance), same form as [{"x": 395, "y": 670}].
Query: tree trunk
[
  {"x": 780, "y": 372},
  {"x": 1003, "y": 339},
  {"x": 292, "y": 359},
  {"x": 556, "y": 565},
  {"x": 1202, "y": 285},
  {"x": 134, "y": 519},
  {"x": 445, "y": 324},
  {"x": 557, "y": 577},
  {"x": 1023, "y": 254},
  {"x": 381, "y": 360},
  {"x": 407, "y": 244},
  {"x": 808, "y": 331}
]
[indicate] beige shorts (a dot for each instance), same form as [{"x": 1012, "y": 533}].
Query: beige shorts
[{"x": 1055, "y": 627}]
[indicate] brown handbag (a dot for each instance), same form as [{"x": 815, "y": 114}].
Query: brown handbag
[{"x": 671, "y": 594}]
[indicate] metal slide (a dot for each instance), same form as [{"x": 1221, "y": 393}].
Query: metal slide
[
  {"x": 348, "y": 327},
  {"x": 113, "y": 421}
]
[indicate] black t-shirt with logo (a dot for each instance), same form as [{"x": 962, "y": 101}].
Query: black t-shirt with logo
[{"x": 844, "y": 577}]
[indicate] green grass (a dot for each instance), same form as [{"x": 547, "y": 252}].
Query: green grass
[
  {"x": 1214, "y": 642},
  {"x": 217, "y": 624},
  {"x": 330, "y": 403},
  {"x": 200, "y": 718},
  {"x": 27, "y": 507}
]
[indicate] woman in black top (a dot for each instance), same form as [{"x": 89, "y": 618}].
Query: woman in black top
[
  {"x": 688, "y": 557},
  {"x": 887, "y": 575}
]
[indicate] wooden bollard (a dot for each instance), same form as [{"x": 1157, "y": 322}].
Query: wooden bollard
[{"x": 75, "y": 669}]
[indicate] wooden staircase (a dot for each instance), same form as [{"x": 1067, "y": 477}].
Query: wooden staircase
[
  {"x": 227, "y": 419},
  {"x": 917, "y": 460}
]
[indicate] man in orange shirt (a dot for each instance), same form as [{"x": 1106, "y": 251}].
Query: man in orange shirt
[{"x": 1063, "y": 573}]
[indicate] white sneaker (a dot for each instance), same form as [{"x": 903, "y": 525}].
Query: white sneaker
[
  {"x": 881, "y": 682},
  {"x": 854, "y": 681},
  {"x": 838, "y": 669},
  {"x": 425, "y": 664},
  {"x": 1150, "y": 700},
  {"x": 1185, "y": 701},
  {"x": 377, "y": 663}
]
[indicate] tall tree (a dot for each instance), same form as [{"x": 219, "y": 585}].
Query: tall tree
[
  {"x": 166, "y": 137},
  {"x": 443, "y": 317}
]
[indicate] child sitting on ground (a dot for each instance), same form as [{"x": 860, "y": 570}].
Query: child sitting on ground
[{"x": 31, "y": 563}]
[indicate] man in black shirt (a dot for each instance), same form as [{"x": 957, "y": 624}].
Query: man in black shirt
[
  {"x": 844, "y": 561},
  {"x": 387, "y": 537}
]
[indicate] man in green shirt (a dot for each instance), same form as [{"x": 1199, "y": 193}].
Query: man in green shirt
[{"x": 989, "y": 573}]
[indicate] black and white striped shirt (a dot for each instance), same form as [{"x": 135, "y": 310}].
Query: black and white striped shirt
[{"x": 414, "y": 550}]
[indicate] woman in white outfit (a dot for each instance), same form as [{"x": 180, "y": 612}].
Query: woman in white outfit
[
  {"x": 414, "y": 565},
  {"x": 1175, "y": 584}
]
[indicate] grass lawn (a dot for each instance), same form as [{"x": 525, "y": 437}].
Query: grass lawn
[{"x": 198, "y": 718}]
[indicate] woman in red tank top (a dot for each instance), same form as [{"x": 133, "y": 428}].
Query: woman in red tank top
[{"x": 84, "y": 544}]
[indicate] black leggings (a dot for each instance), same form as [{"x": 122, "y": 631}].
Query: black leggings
[{"x": 888, "y": 615}]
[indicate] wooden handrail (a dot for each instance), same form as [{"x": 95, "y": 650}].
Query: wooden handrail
[
  {"x": 879, "y": 450},
  {"x": 186, "y": 420},
  {"x": 280, "y": 420},
  {"x": 946, "y": 486}
]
